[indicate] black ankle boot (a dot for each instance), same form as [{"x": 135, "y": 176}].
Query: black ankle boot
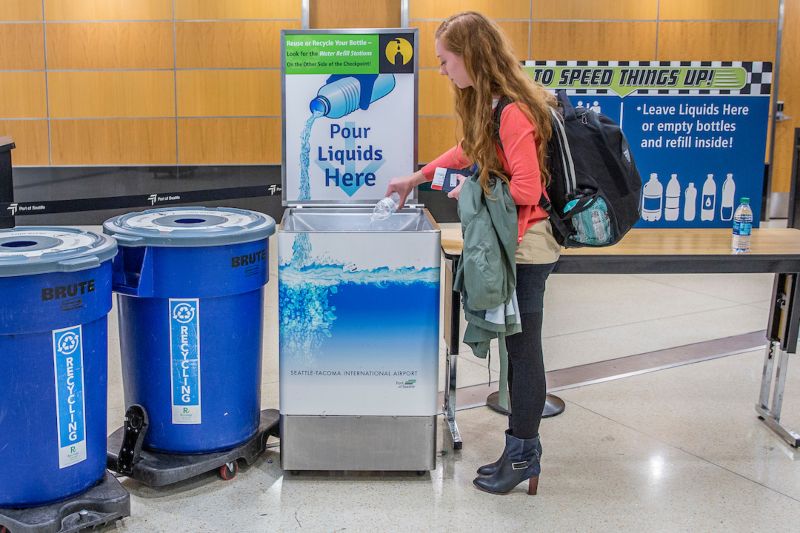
[
  {"x": 520, "y": 461},
  {"x": 491, "y": 468}
]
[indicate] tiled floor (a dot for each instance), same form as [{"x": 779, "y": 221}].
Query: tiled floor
[{"x": 674, "y": 450}]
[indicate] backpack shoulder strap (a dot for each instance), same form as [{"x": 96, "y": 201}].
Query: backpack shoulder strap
[
  {"x": 504, "y": 102},
  {"x": 555, "y": 217}
]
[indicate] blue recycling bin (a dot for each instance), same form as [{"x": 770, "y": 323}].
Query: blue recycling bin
[
  {"x": 56, "y": 294},
  {"x": 190, "y": 293}
]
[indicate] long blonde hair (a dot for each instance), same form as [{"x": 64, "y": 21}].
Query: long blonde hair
[{"x": 494, "y": 70}]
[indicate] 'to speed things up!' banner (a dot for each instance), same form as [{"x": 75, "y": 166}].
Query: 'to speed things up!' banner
[{"x": 697, "y": 130}]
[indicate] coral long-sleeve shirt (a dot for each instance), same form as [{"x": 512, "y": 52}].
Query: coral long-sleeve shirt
[{"x": 520, "y": 162}]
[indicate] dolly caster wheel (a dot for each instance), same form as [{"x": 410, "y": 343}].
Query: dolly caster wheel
[
  {"x": 421, "y": 472},
  {"x": 228, "y": 471},
  {"x": 294, "y": 472}
]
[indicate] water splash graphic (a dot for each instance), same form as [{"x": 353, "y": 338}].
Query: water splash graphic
[
  {"x": 308, "y": 284},
  {"x": 305, "y": 151},
  {"x": 306, "y": 317},
  {"x": 301, "y": 251},
  {"x": 302, "y": 247}
]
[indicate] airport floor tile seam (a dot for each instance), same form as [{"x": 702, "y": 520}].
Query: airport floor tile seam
[
  {"x": 653, "y": 278},
  {"x": 683, "y": 450},
  {"x": 639, "y": 322}
]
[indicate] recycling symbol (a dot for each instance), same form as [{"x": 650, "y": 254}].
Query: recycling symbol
[
  {"x": 183, "y": 313},
  {"x": 68, "y": 343}
]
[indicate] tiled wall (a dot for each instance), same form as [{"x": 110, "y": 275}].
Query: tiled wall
[
  {"x": 142, "y": 82},
  {"x": 595, "y": 29},
  {"x": 164, "y": 82}
]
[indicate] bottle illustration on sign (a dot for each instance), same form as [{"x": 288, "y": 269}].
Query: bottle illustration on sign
[
  {"x": 398, "y": 55},
  {"x": 672, "y": 204},
  {"x": 709, "y": 199},
  {"x": 652, "y": 197},
  {"x": 690, "y": 203},
  {"x": 728, "y": 194},
  {"x": 399, "y": 51},
  {"x": 341, "y": 95}
]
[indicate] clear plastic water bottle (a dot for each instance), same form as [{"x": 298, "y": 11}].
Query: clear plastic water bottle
[
  {"x": 600, "y": 226},
  {"x": 742, "y": 227},
  {"x": 385, "y": 207}
]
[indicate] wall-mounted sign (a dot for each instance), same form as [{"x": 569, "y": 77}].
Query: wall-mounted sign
[{"x": 698, "y": 130}]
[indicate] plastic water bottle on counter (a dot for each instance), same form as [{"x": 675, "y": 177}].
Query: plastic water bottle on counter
[
  {"x": 742, "y": 227},
  {"x": 385, "y": 207}
]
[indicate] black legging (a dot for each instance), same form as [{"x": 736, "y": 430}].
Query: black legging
[{"x": 526, "y": 379}]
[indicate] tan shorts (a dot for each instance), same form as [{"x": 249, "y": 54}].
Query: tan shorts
[{"x": 538, "y": 246}]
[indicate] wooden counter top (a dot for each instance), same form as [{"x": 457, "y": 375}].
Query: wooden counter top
[{"x": 670, "y": 242}]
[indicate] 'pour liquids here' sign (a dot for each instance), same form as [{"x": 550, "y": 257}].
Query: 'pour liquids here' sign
[{"x": 349, "y": 108}]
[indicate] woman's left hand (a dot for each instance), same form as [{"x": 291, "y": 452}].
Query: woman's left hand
[{"x": 457, "y": 191}]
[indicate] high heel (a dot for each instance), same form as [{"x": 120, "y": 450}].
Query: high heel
[
  {"x": 519, "y": 462},
  {"x": 533, "y": 485}
]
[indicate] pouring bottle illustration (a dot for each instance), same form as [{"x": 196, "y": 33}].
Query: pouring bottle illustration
[
  {"x": 672, "y": 204},
  {"x": 709, "y": 200},
  {"x": 652, "y": 197},
  {"x": 341, "y": 95},
  {"x": 690, "y": 203},
  {"x": 398, "y": 55},
  {"x": 728, "y": 193}
]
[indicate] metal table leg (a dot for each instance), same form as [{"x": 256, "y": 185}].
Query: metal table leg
[
  {"x": 452, "y": 315},
  {"x": 450, "y": 399},
  {"x": 782, "y": 334}
]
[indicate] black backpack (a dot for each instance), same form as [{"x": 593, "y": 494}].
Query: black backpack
[{"x": 594, "y": 186}]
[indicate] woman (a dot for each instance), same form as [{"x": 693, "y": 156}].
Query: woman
[{"x": 477, "y": 57}]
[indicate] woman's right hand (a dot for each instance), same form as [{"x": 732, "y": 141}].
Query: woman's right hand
[{"x": 404, "y": 185}]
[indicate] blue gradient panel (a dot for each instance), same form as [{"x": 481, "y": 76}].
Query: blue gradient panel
[
  {"x": 391, "y": 321},
  {"x": 357, "y": 341}
]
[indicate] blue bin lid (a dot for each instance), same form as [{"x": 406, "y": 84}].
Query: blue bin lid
[
  {"x": 189, "y": 227},
  {"x": 28, "y": 250}
]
